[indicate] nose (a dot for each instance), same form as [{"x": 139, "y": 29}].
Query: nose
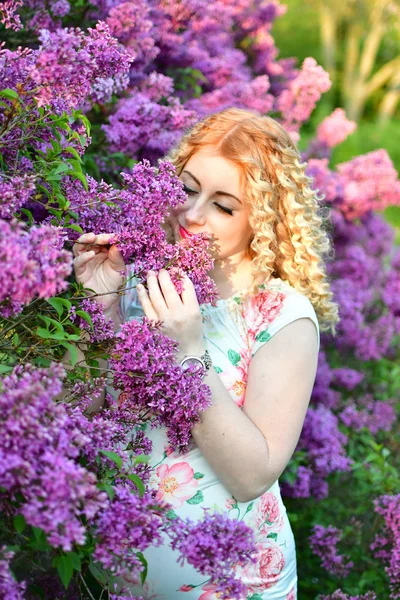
[{"x": 195, "y": 213}]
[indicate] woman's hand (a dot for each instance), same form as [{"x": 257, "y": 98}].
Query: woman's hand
[
  {"x": 180, "y": 314},
  {"x": 97, "y": 266}
]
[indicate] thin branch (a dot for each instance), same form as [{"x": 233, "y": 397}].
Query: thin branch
[{"x": 87, "y": 589}]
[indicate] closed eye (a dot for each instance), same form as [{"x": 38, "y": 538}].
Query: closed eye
[{"x": 223, "y": 209}]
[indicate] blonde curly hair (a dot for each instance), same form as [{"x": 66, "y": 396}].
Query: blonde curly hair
[{"x": 289, "y": 240}]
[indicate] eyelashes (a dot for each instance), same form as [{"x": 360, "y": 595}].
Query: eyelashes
[{"x": 223, "y": 209}]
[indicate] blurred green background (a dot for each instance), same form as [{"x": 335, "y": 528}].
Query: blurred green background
[{"x": 358, "y": 43}]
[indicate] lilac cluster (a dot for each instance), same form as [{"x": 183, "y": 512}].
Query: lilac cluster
[
  {"x": 297, "y": 102},
  {"x": 33, "y": 264},
  {"x": 339, "y": 595},
  {"x": 9, "y": 587},
  {"x": 145, "y": 369},
  {"x": 101, "y": 328},
  {"x": 323, "y": 543},
  {"x": 375, "y": 415},
  {"x": 129, "y": 524},
  {"x": 38, "y": 455},
  {"x": 152, "y": 117},
  {"x": 14, "y": 193},
  {"x": 72, "y": 66},
  {"x": 324, "y": 444},
  {"x": 216, "y": 546},
  {"x": 386, "y": 545}
]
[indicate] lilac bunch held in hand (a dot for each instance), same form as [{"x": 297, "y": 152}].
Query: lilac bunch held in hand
[
  {"x": 145, "y": 369},
  {"x": 215, "y": 546},
  {"x": 33, "y": 264}
]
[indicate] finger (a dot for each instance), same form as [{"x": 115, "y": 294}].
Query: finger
[
  {"x": 81, "y": 261},
  {"x": 116, "y": 260},
  {"x": 78, "y": 248},
  {"x": 188, "y": 294},
  {"x": 155, "y": 294},
  {"x": 171, "y": 296},
  {"x": 146, "y": 303}
]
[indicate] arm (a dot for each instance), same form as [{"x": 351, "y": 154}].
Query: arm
[{"x": 250, "y": 448}]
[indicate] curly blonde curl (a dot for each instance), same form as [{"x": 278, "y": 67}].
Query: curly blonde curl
[{"x": 290, "y": 241}]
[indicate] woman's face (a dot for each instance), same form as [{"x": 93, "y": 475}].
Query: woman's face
[{"x": 215, "y": 204}]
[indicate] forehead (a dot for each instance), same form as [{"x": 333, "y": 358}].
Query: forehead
[{"x": 212, "y": 169}]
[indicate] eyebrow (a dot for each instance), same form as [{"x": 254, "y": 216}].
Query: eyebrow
[{"x": 219, "y": 193}]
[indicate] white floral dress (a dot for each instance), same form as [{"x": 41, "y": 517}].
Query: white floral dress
[{"x": 233, "y": 332}]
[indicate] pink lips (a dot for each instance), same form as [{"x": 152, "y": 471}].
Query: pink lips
[{"x": 184, "y": 233}]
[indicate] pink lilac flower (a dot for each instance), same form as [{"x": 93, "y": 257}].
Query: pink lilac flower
[
  {"x": 323, "y": 543},
  {"x": 297, "y": 102},
  {"x": 370, "y": 183},
  {"x": 144, "y": 366},
  {"x": 9, "y": 15},
  {"x": 335, "y": 129},
  {"x": 33, "y": 263},
  {"x": 215, "y": 546}
]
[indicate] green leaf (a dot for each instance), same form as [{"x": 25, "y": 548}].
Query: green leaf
[
  {"x": 79, "y": 176},
  {"x": 108, "y": 488},
  {"x": 143, "y": 574},
  {"x": 138, "y": 482},
  {"x": 76, "y": 560},
  {"x": 198, "y": 475},
  {"x": 75, "y": 227},
  {"x": 263, "y": 336},
  {"x": 197, "y": 498},
  {"x": 73, "y": 351},
  {"x": 5, "y": 368},
  {"x": 59, "y": 304},
  {"x": 234, "y": 357},
  {"x": 112, "y": 456},
  {"x": 171, "y": 514},
  {"x": 85, "y": 316},
  {"x": 49, "y": 321},
  {"x": 250, "y": 506},
  {"x": 255, "y": 597},
  {"x": 272, "y": 536},
  {"x": 217, "y": 369},
  {"x": 72, "y": 151},
  {"x": 98, "y": 572},
  {"x": 19, "y": 523},
  {"x": 64, "y": 567},
  {"x": 43, "y": 333},
  {"x": 142, "y": 458},
  {"x": 9, "y": 93}
]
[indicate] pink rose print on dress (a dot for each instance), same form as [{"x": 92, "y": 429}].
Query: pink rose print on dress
[
  {"x": 267, "y": 570},
  {"x": 176, "y": 483},
  {"x": 235, "y": 380},
  {"x": 261, "y": 310},
  {"x": 267, "y": 517},
  {"x": 291, "y": 595},
  {"x": 210, "y": 593}
]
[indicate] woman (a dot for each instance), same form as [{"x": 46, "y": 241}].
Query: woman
[{"x": 247, "y": 188}]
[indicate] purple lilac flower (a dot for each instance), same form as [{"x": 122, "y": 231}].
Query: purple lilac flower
[
  {"x": 150, "y": 121},
  {"x": 323, "y": 543},
  {"x": 386, "y": 544},
  {"x": 339, "y": 595},
  {"x": 215, "y": 546},
  {"x": 129, "y": 524},
  {"x": 14, "y": 193},
  {"x": 145, "y": 368},
  {"x": 9, "y": 587},
  {"x": 37, "y": 455},
  {"x": 103, "y": 327},
  {"x": 33, "y": 263},
  {"x": 347, "y": 378},
  {"x": 324, "y": 445}
]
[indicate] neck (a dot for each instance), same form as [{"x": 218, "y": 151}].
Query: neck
[{"x": 232, "y": 275}]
